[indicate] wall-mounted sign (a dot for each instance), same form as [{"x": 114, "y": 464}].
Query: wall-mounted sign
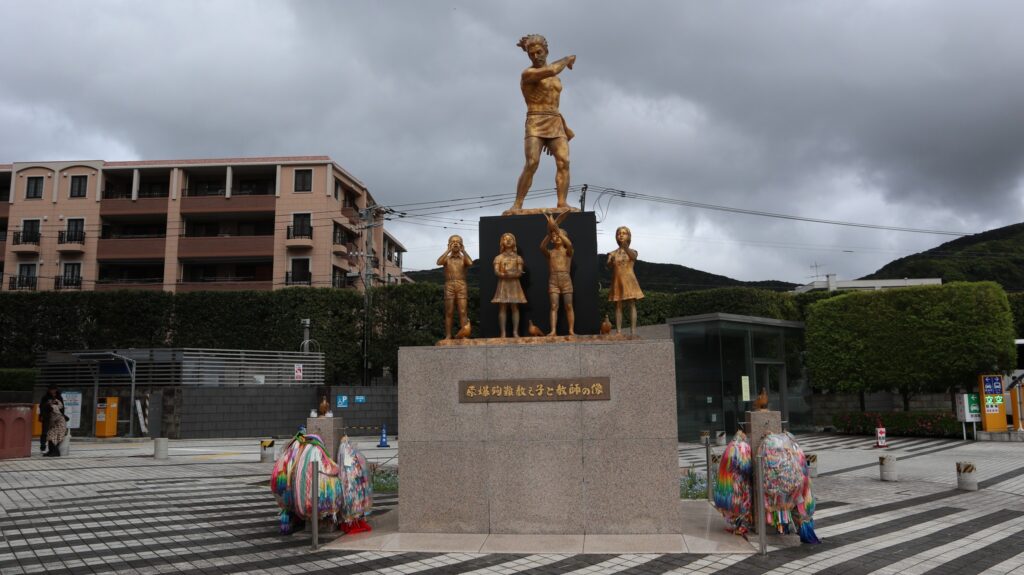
[
  {"x": 342, "y": 401},
  {"x": 298, "y": 372},
  {"x": 993, "y": 384},
  {"x": 360, "y": 399}
]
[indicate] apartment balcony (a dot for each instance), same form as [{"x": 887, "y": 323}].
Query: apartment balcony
[
  {"x": 298, "y": 278},
  {"x": 71, "y": 241},
  {"x": 126, "y": 206},
  {"x": 67, "y": 282},
  {"x": 25, "y": 243},
  {"x": 299, "y": 237},
  {"x": 352, "y": 214},
  {"x": 131, "y": 248},
  {"x": 225, "y": 284},
  {"x": 147, "y": 284},
  {"x": 22, "y": 283},
  {"x": 190, "y": 247},
  {"x": 193, "y": 203}
]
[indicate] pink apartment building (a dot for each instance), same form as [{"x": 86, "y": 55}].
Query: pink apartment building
[{"x": 188, "y": 225}]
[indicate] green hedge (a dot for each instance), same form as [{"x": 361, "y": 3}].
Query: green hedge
[
  {"x": 17, "y": 379},
  {"x": 916, "y": 340},
  {"x": 926, "y": 424},
  {"x": 656, "y": 307}
]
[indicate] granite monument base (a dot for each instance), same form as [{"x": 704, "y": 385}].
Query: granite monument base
[
  {"x": 607, "y": 466},
  {"x": 330, "y": 430}
]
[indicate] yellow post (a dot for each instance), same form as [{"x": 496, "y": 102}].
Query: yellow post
[{"x": 993, "y": 412}]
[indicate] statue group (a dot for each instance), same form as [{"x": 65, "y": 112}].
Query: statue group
[{"x": 546, "y": 130}]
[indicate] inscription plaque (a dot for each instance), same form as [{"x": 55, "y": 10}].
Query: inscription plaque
[{"x": 513, "y": 390}]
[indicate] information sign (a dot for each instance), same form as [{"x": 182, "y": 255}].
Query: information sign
[
  {"x": 360, "y": 399},
  {"x": 993, "y": 385},
  {"x": 73, "y": 408},
  {"x": 298, "y": 372},
  {"x": 342, "y": 401}
]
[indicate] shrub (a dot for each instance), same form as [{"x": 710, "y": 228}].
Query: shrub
[
  {"x": 917, "y": 340},
  {"x": 13, "y": 379},
  {"x": 693, "y": 485},
  {"x": 918, "y": 424}
]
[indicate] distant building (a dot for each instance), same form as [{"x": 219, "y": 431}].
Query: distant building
[
  {"x": 831, "y": 284},
  {"x": 190, "y": 225}
]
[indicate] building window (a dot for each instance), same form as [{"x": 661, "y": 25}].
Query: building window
[
  {"x": 303, "y": 180},
  {"x": 78, "y": 184},
  {"x": 72, "y": 271},
  {"x": 34, "y": 188}
]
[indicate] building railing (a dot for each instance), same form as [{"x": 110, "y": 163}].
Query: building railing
[
  {"x": 71, "y": 237},
  {"x": 298, "y": 278},
  {"x": 67, "y": 282},
  {"x": 124, "y": 236},
  {"x": 200, "y": 192},
  {"x": 117, "y": 194},
  {"x": 305, "y": 232},
  {"x": 22, "y": 283},
  {"x": 264, "y": 191},
  {"x": 26, "y": 238},
  {"x": 129, "y": 281},
  {"x": 219, "y": 279},
  {"x": 157, "y": 193},
  {"x": 220, "y": 235}
]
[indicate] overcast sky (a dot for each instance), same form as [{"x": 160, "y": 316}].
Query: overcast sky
[{"x": 898, "y": 113}]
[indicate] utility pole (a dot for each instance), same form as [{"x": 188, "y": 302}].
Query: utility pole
[{"x": 368, "y": 216}]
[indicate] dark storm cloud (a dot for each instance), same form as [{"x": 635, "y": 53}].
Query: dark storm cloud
[{"x": 908, "y": 113}]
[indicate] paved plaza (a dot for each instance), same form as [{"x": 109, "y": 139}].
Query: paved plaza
[{"x": 111, "y": 508}]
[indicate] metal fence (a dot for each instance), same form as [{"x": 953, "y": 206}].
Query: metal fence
[{"x": 185, "y": 366}]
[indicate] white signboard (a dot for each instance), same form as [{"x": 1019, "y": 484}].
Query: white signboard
[
  {"x": 73, "y": 408},
  {"x": 745, "y": 383},
  {"x": 298, "y": 372}
]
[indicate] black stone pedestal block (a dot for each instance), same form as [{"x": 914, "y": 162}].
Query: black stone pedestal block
[{"x": 529, "y": 230}]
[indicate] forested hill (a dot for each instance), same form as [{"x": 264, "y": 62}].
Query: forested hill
[
  {"x": 652, "y": 277},
  {"x": 996, "y": 255}
]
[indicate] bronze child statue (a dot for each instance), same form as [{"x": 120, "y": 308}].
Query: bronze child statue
[
  {"x": 508, "y": 266},
  {"x": 559, "y": 258},
  {"x": 624, "y": 286},
  {"x": 455, "y": 261}
]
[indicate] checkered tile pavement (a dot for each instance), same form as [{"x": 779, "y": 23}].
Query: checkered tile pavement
[{"x": 110, "y": 510}]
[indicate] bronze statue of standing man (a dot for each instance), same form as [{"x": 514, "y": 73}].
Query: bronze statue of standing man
[{"x": 545, "y": 126}]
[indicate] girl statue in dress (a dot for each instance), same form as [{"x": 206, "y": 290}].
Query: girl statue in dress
[
  {"x": 624, "y": 285},
  {"x": 508, "y": 266}
]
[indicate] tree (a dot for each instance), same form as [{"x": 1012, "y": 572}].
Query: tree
[{"x": 915, "y": 340}]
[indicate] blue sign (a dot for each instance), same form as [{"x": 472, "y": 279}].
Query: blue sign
[
  {"x": 342, "y": 401},
  {"x": 993, "y": 385},
  {"x": 360, "y": 399}
]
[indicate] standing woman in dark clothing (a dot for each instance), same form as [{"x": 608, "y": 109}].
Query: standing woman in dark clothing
[{"x": 45, "y": 410}]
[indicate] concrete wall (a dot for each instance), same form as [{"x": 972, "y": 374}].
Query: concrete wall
[
  {"x": 195, "y": 412},
  {"x": 247, "y": 411},
  {"x": 381, "y": 408},
  {"x": 824, "y": 406}
]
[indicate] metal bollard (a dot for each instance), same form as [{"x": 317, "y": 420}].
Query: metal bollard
[
  {"x": 707, "y": 458},
  {"x": 267, "y": 451},
  {"x": 812, "y": 465},
  {"x": 759, "y": 502},
  {"x": 160, "y": 448},
  {"x": 965, "y": 478},
  {"x": 887, "y": 468},
  {"x": 315, "y": 515}
]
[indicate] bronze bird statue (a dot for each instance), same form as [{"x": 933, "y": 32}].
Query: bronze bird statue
[
  {"x": 761, "y": 403},
  {"x": 463, "y": 332},
  {"x": 606, "y": 326},
  {"x": 534, "y": 330}
]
